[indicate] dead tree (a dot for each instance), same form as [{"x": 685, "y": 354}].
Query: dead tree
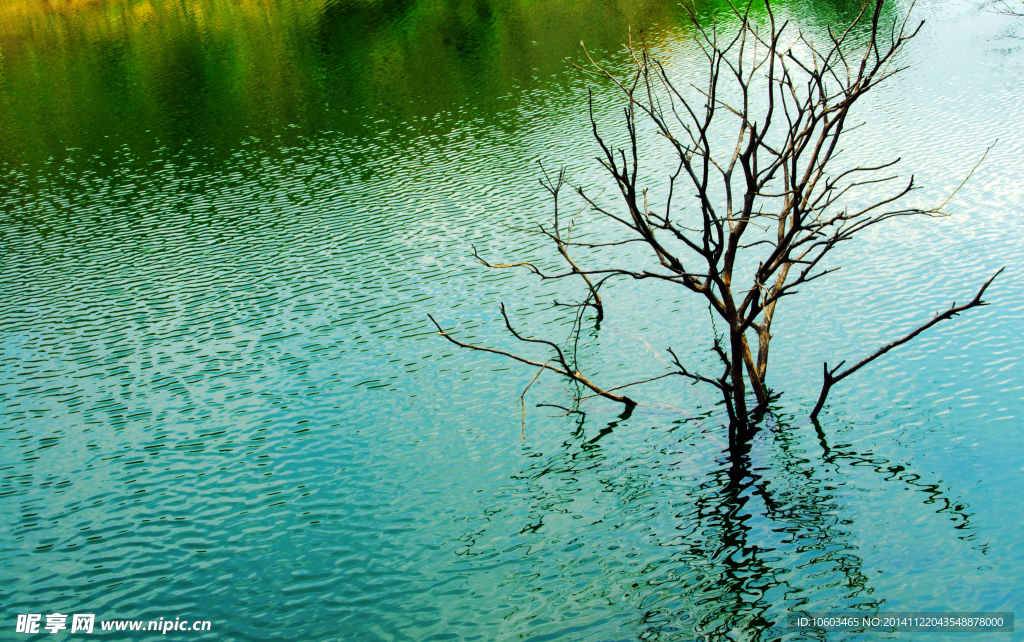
[{"x": 743, "y": 224}]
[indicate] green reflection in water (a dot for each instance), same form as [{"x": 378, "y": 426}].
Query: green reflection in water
[
  {"x": 95, "y": 75},
  {"x": 215, "y": 72}
]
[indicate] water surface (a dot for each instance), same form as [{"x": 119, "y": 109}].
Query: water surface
[{"x": 223, "y": 226}]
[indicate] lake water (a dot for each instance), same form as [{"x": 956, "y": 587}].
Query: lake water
[{"x": 225, "y": 221}]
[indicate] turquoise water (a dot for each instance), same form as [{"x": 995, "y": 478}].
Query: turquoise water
[{"x": 224, "y": 225}]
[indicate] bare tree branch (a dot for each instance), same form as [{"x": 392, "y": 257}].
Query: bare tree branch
[
  {"x": 830, "y": 376},
  {"x": 565, "y": 370}
]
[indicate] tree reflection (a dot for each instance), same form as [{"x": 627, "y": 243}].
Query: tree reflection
[
  {"x": 88, "y": 75},
  {"x": 219, "y": 72},
  {"x": 723, "y": 554}
]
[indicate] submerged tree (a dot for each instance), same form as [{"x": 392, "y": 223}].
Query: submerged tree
[{"x": 767, "y": 207}]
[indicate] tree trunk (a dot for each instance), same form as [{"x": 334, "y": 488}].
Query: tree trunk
[{"x": 739, "y": 389}]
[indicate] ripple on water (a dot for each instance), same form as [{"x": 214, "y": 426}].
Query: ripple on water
[{"x": 220, "y": 396}]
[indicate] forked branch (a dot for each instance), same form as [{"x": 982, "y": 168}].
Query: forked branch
[
  {"x": 1007, "y": 9},
  {"x": 831, "y": 377},
  {"x": 563, "y": 368}
]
